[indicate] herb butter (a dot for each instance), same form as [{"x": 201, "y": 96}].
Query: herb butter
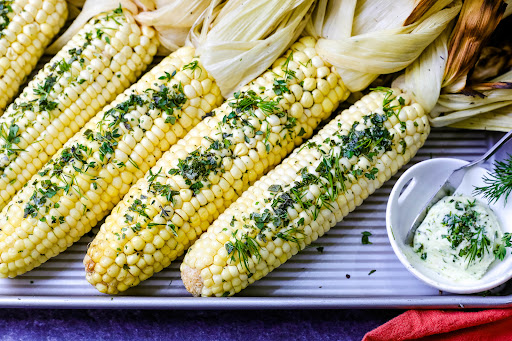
[{"x": 459, "y": 238}]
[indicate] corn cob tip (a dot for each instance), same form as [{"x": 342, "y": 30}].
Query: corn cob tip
[
  {"x": 90, "y": 266},
  {"x": 192, "y": 280}
]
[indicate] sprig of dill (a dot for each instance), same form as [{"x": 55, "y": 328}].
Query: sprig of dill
[{"x": 498, "y": 182}]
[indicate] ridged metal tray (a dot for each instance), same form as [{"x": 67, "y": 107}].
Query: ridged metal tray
[{"x": 332, "y": 273}]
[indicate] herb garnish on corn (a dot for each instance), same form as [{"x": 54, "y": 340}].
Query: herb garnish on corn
[
  {"x": 302, "y": 198},
  {"x": 101, "y": 60},
  {"x": 200, "y": 176},
  {"x": 96, "y": 167},
  {"x": 26, "y": 28},
  {"x": 82, "y": 182}
]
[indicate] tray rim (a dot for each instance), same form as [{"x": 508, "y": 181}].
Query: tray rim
[{"x": 253, "y": 303}]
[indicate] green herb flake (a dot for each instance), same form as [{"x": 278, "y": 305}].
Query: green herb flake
[{"x": 365, "y": 238}]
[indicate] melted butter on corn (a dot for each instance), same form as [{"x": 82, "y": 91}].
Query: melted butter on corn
[
  {"x": 98, "y": 63},
  {"x": 312, "y": 190},
  {"x": 91, "y": 173},
  {"x": 200, "y": 176}
]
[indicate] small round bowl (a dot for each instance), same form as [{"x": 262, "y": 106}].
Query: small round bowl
[{"x": 411, "y": 192}]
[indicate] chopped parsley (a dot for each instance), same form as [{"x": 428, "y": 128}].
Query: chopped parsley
[{"x": 365, "y": 237}]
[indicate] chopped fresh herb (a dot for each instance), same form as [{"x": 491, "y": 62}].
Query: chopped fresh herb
[
  {"x": 463, "y": 227},
  {"x": 5, "y": 9},
  {"x": 371, "y": 271},
  {"x": 10, "y": 136},
  {"x": 403, "y": 144},
  {"x": 371, "y": 174},
  {"x": 275, "y": 188},
  {"x": 43, "y": 91},
  {"x": 167, "y": 76},
  {"x": 289, "y": 74},
  {"x": 192, "y": 66},
  {"x": 167, "y": 99},
  {"x": 244, "y": 247},
  {"x": 197, "y": 166},
  {"x": 500, "y": 251},
  {"x": 280, "y": 87},
  {"x": 138, "y": 207},
  {"x": 365, "y": 238}
]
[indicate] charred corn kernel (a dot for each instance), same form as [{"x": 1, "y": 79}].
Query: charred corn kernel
[
  {"x": 200, "y": 176},
  {"x": 26, "y": 28},
  {"x": 302, "y": 198},
  {"x": 67, "y": 92},
  {"x": 96, "y": 167}
]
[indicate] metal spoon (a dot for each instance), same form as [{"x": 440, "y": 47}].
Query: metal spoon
[{"x": 451, "y": 184}]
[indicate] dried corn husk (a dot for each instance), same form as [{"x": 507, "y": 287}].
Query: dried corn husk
[
  {"x": 241, "y": 40},
  {"x": 74, "y": 8},
  {"x": 467, "y": 93},
  {"x": 478, "y": 20},
  {"x": 378, "y": 41},
  {"x": 452, "y": 108},
  {"x": 508, "y": 10}
]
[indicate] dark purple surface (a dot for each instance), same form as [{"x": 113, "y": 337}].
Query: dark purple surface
[{"x": 32, "y": 324}]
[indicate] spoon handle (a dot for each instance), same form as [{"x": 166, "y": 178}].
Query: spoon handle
[{"x": 491, "y": 151}]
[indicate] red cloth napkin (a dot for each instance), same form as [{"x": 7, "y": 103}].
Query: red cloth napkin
[{"x": 492, "y": 324}]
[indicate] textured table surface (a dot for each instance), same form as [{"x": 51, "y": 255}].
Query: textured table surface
[{"x": 32, "y": 324}]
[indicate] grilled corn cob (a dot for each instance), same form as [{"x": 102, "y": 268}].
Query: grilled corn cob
[
  {"x": 301, "y": 199},
  {"x": 99, "y": 62},
  {"x": 86, "y": 178},
  {"x": 206, "y": 171},
  {"x": 26, "y": 28}
]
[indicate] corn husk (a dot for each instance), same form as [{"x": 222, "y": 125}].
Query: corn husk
[
  {"x": 508, "y": 10},
  {"x": 468, "y": 99},
  {"x": 74, "y": 8},
  {"x": 496, "y": 120},
  {"x": 452, "y": 108},
  {"x": 378, "y": 41},
  {"x": 478, "y": 20},
  {"x": 172, "y": 19},
  {"x": 243, "y": 38}
]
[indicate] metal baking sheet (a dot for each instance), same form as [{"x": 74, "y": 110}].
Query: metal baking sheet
[{"x": 311, "y": 279}]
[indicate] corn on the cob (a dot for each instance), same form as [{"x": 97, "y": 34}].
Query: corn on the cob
[
  {"x": 301, "y": 199},
  {"x": 189, "y": 94},
  {"x": 86, "y": 178},
  {"x": 211, "y": 167},
  {"x": 101, "y": 61},
  {"x": 26, "y": 28}
]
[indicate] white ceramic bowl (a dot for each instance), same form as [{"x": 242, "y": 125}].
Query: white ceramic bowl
[{"x": 423, "y": 180}]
